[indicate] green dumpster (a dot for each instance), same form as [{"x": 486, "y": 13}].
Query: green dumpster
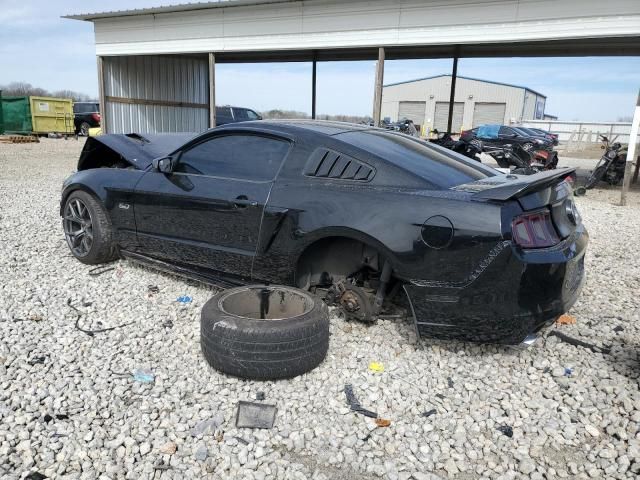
[
  {"x": 16, "y": 115},
  {"x": 1, "y": 120}
]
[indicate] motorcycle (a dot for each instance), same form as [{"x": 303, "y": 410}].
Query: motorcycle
[
  {"x": 467, "y": 149},
  {"x": 405, "y": 126},
  {"x": 507, "y": 156},
  {"x": 610, "y": 168}
]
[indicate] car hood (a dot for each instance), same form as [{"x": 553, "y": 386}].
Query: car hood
[{"x": 133, "y": 148}]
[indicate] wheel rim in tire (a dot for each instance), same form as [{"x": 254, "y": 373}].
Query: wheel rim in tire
[
  {"x": 78, "y": 227},
  {"x": 266, "y": 303},
  {"x": 84, "y": 129}
]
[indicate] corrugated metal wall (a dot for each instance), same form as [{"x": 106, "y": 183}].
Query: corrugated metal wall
[{"x": 156, "y": 79}]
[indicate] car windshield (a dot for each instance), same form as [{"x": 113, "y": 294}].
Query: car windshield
[
  {"x": 439, "y": 166},
  {"x": 86, "y": 107}
]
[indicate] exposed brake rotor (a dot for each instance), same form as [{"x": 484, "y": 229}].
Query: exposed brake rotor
[{"x": 354, "y": 300}]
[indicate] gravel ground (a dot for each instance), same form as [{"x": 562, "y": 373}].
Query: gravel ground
[{"x": 70, "y": 406}]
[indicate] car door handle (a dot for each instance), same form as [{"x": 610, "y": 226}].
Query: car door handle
[{"x": 242, "y": 202}]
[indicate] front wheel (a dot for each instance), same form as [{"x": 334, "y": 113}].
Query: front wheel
[
  {"x": 87, "y": 229},
  {"x": 84, "y": 129},
  {"x": 595, "y": 177}
]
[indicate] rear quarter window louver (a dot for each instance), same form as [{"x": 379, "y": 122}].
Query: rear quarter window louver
[{"x": 325, "y": 163}]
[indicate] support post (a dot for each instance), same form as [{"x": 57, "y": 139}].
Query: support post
[
  {"x": 631, "y": 152},
  {"x": 377, "y": 94},
  {"x": 313, "y": 89},
  {"x": 212, "y": 90},
  {"x": 452, "y": 92},
  {"x": 101, "y": 95}
]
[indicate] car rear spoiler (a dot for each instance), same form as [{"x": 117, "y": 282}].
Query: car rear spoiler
[{"x": 505, "y": 187}]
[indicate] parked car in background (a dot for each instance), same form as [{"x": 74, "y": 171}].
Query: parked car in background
[
  {"x": 229, "y": 114},
  {"x": 552, "y": 137},
  {"x": 86, "y": 115},
  {"x": 351, "y": 213},
  {"x": 524, "y": 144}
]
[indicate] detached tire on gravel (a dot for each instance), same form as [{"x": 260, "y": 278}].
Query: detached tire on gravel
[{"x": 264, "y": 332}]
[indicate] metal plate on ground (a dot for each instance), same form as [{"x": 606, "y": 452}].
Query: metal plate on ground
[{"x": 255, "y": 415}]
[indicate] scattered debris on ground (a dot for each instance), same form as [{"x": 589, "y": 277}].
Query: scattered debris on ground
[
  {"x": 580, "y": 343},
  {"x": 566, "y": 319},
  {"x": 354, "y": 404},
  {"x": 255, "y": 415},
  {"x": 143, "y": 376},
  {"x": 376, "y": 367},
  {"x": 383, "y": 422}
]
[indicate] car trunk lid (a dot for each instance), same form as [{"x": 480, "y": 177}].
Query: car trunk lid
[
  {"x": 510, "y": 186},
  {"x": 543, "y": 197}
]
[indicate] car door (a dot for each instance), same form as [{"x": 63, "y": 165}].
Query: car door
[{"x": 207, "y": 212}]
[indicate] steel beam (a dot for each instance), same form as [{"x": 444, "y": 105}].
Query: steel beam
[
  {"x": 101, "y": 95},
  {"x": 377, "y": 94},
  {"x": 452, "y": 92},
  {"x": 313, "y": 89},
  {"x": 212, "y": 90},
  {"x": 631, "y": 153}
]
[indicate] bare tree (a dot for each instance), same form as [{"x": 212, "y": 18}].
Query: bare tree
[
  {"x": 276, "y": 113},
  {"x": 24, "y": 89},
  {"x": 75, "y": 96}
]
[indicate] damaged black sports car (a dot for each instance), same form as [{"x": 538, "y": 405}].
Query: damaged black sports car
[{"x": 356, "y": 213}]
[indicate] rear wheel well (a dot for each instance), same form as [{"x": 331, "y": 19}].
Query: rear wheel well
[{"x": 333, "y": 259}]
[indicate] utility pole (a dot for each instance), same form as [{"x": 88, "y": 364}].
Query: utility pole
[{"x": 631, "y": 153}]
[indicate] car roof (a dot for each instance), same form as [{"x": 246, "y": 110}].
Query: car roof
[{"x": 322, "y": 127}]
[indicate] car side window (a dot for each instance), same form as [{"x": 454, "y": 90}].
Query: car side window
[
  {"x": 251, "y": 115},
  {"x": 506, "y": 131},
  {"x": 224, "y": 113},
  {"x": 250, "y": 157}
]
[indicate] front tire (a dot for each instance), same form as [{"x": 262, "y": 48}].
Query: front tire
[
  {"x": 84, "y": 129},
  {"x": 87, "y": 229},
  {"x": 595, "y": 177}
]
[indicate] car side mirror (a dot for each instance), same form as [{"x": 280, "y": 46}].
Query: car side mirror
[{"x": 163, "y": 164}]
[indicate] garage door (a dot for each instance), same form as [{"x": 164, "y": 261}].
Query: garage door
[
  {"x": 484, "y": 113},
  {"x": 414, "y": 111},
  {"x": 442, "y": 116}
]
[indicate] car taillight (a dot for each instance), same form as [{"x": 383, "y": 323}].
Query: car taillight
[
  {"x": 534, "y": 230},
  {"x": 96, "y": 117}
]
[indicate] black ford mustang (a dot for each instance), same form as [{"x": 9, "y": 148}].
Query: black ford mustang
[{"x": 354, "y": 212}]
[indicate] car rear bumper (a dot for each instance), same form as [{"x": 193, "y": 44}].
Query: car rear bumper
[{"x": 516, "y": 294}]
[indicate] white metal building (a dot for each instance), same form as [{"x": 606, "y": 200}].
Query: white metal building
[
  {"x": 425, "y": 101},
  {"x": 157, "y": 65}
]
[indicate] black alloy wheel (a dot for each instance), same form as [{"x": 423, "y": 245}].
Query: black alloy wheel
[
  {"x": 78, "y": 227},
  {"x": 87, "y": 229}
]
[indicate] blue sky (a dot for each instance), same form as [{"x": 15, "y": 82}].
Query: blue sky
[{"x": 39, "y": 47}]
